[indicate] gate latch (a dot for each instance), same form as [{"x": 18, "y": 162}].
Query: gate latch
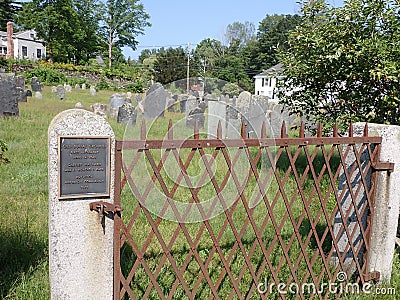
[{"x": 105, "y": 209}]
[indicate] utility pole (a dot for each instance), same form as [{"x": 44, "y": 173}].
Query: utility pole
[{"x": 187, "y": 70}]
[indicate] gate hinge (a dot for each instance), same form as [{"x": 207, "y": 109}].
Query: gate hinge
[
  {"x": 383, "y": 166},
  {"x": 375, "y": 276},
  {"x": 102, "y": 206}
]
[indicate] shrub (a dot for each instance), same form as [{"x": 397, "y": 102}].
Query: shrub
[{"x": 46, "y": 75}]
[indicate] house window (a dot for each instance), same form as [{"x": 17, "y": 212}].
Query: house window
[
  {"x": 24, "y": 51},
  {"x": 262, "y": 81},
  {"x": 270, "y": 81},
  {"x": 39, "y": 53},
  {"x": 32, "y": 36}
]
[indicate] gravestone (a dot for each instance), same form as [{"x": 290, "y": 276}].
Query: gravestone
[
  {"x": 36, "y": 85},
  {"x": 21, "y": 89},
  {"x": 77, "y": 86},
  {"x": 78, "y": 105},
  {"x": 195, "y": 111},
  {"x": 60, "y": 91},
  {"x": 243, "y": 102},
  {"x": 216, "y": 114},
  {"x": 20, "y": 82},
  {"x": 68, "y": 88},
  {"x": 8, "y": 95},
  {"x": 21, "y": 95},
  {"x": 99, "y": 109},
  {"x": 84, "y": 86},
  {"x": 182, "y": 102},
  {"x": 155, "y": 102},
  {"x": 116, "y": 101},
  {"x": 254, "y": 119},
  {"x": 80, "y": 171},
  {"x": 92, "y": 91},
  {"x": 127, "y": 114},
  {"x": 54, "y": 89}
]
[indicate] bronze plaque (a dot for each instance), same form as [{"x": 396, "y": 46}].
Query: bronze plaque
[{"x": 84, "y": 166}]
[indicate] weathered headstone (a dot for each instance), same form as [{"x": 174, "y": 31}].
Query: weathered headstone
[
  {"x": 84, "y": 86},
  {"x": 195, "y": 112},
  {"x": 8, "y": 95},
  {"x": 38, "y": 95},
  {"x": 79, "y": 105},
  {"x": 21, "y": 88},
  {"x": 127, "y": 114},
  {"x": 77, "y": 86},
  {"x": 116, "y": 101},
  {"x": 68, "y": 88},
  {"x": 92, "y": 91},
  {"x": 182, "y": 102},
  {"x": 54, "y": 89},
  {"x": 254, "y": 119},
  {"x": 155, "y": 102},
  {"x": 80, "y": 171},
  {"x": 243, "y": 102},
  {"x": 216, "y": 114},
  {"x": 99, "y": 109},
  {"x": 60, "y": 92},
  {"x": 36, "y": 85},
  {"x": 21, "y": 95}
]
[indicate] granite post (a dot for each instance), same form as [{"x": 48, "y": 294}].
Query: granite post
[
  {"x": 80, "y": 242},
  {"x": 387, "y": 200}
]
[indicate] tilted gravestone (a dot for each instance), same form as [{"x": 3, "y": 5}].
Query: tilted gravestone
[
  {"x": 36, "y": 85},
  {"x": 8, "y": 95},
  {"x": 80, "y": 171},
  {"x": 155, "y": 102},
  {"x": 127, "y": 114},
  {"x": 21, "y": 88}
]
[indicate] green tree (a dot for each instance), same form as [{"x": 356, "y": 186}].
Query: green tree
[
  {"x": 54, "y": 21},
  {"x": 8, "y": 11},
  {"x": 238, "y": 33},
  {"x": 206, "y": 55},
  {"x": 344, "y": 63},
  {"x": 171, "y": 65},
  {"x": 86, "y": 38},
  {"x": 123, "y": 21}
]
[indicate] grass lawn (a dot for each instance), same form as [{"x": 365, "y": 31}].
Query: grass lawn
[{"x": 24, "y": 196}]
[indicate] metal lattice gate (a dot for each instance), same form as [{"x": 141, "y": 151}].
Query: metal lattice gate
[{"x": 245, "y": 218}]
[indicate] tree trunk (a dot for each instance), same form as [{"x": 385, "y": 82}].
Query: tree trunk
[{"x": 110, "y": 43}]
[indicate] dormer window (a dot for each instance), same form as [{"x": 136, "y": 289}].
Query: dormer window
[{"x": 32, "y": 35}]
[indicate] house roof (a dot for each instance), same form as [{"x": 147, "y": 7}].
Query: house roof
[{"x": 273, "y": 70}]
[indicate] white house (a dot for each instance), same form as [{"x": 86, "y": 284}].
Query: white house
[
  {"x": 25, "y": 45},
  {"x": 265, "y": 82}
]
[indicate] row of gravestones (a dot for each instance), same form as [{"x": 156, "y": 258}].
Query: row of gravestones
[
  {"x": 252, "y": 110},
  {"x": 61, "y": 90}
]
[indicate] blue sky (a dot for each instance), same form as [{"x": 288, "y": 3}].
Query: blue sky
[{"x": 177, "y": 22}]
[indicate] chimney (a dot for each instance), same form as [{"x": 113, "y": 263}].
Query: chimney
[{"x": 10, "y": 41}]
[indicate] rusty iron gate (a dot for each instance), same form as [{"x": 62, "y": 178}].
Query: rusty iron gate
[{"x": 290, "y": 218}]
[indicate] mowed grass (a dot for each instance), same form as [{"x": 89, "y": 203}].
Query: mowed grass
[{"x": 24, "y": 209}]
